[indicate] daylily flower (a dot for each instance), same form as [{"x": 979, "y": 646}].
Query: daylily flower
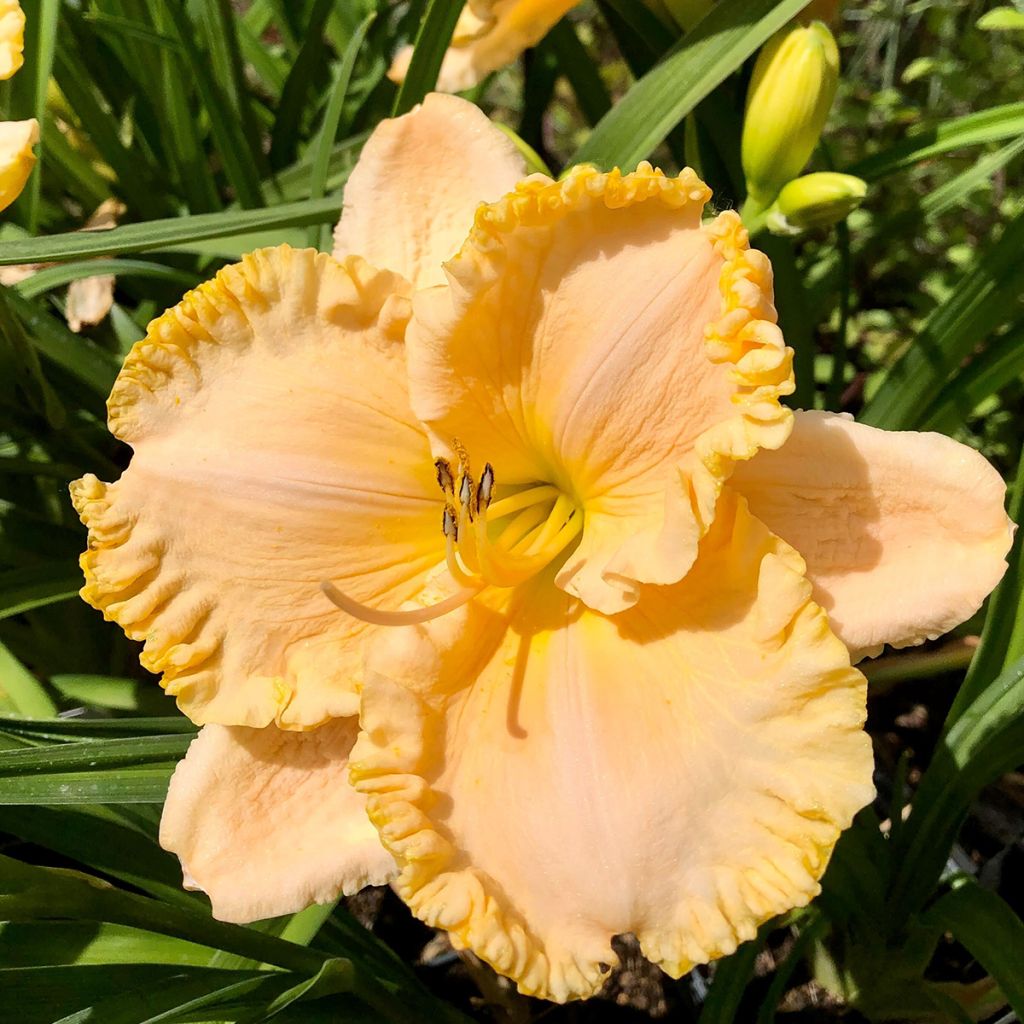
[
  {"x": 16, "y": 137},
  {"x": 489, "y": 35},
  {"x": 559, "y": 504}
]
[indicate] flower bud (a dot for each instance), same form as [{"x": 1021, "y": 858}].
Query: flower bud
[
  {"x": 790, "y": 94},
  {"x": 816, "y": 201}
]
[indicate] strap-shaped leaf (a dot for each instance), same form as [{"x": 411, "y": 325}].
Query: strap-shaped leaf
[
  {"x": 992, "y": 933},
  {"x": 704, "y": 58}
]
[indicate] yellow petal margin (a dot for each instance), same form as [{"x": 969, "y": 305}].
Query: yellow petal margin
[
  {"x": 265, "y": 822},
  {"x": 274, "y": 449},
  {"x": 597, "y": 336},
  {"x": 548, "y": 777},
  {"x": 12, "y": 38},
  {"x": 16, "y": 157}
]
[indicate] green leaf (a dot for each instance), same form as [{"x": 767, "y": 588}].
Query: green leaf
[
  {"x": 732, "y": 975},
  {"x": 810, "y": 929},
  {"x": 31, "y": 85},
  {"x": 42, "y": 995},
  {"x": 703, "y": 59},
  {"x": 109, "y": 692},
  {"x": 954, "y": 192},
  {"x": 985, "y": 297},
  {"x": 37, "y": 585},
  {"x": 56, "y": 277},
  {"x": 220, "y": 25},
  {"x": 990, "y": 930},
  {"x": 29, "y": 893},
  {"x": 284, "y": 142},
  {"x": 80, "y": 357},
  {"x": 160, "y": 234},
  {"x": 989, "y": 372},
  {"x": 104, "y": 786},
  {"x": 992, "y": 125},
  {"x": 101, "y": 839},
  {"x": 583, "y": 74},
  {"x": 24, "y": 364},
  {"x": 91, "y": 942},
  {"x": 324, "y": 144},
  {"x": 431, "y": 43},
  {"x": 71, "y": 757},
  {"x": 20, "y": 691},
  {"x": 1002, "y": 639},
  {"x": 70, "y": 729},
  {"x": 982, "y": 743},
  {"x": 792, "y": 302},
  {"x": 227, "y": 129}
]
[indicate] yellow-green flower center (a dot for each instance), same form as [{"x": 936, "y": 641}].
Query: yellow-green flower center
[{"x": 490, "y": 541}]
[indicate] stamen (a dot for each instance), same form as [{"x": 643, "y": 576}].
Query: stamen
[
  {"x": 450, "y": 523},
  {"x": 467, "y": 495},
  {"x": 521, "y": 500},
  {"x": 556, "y": 519},
  {"x": 451, "y": 556},
  {"x": 521, "y": 526},
  {"x": 486, "y": 488},
  {"x": 445, "y": 477},
  {"x": 411, "y": 617}
]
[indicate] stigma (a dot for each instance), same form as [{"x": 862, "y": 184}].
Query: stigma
[{"x": 489, "y": 541}]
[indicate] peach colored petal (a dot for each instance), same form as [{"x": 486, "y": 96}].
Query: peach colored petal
[
  {"x": 410, "y": 199},
  {"x": 597, "y": 337},
  {"x": 12, "y": 38},
  {"x": 548, "y": 777},
  {"x": 265, "y": 821},
  {"x": 489, "y": 35},
  {"x": 274, "y": 449},
  {"x": 16, "y": 157},
  {"x": 904, "y": 533}
]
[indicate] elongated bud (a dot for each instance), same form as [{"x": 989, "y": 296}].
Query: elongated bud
[
  {"x": 816, "y": 201},
  {"x": 790, "y": 94}
]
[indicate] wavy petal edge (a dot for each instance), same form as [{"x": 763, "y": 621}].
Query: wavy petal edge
[
  {"x": 744, "y": 340},
  {"x": 134, "y": 598},
  {"x": 392, "y": 763}
]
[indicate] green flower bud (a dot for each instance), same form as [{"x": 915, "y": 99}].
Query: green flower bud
[
  {"x": 790, "y": 94},
  {"x": 816, "y": 201}
]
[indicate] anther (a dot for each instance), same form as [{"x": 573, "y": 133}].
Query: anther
[
  {"x": 486, "y": 487},
  {"x": 445, "y": 478},
  {"x": 467, "y": 495},
  {"x": 450, "y": 523}
]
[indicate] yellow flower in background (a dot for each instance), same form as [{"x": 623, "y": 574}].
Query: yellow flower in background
[
  {"x": 16, "y": 137},
  {"x": 791, "y": 91},
  {"x": 16, "y": 157},
  {"x": 489, "y": 35},
  {"x": 12, "y": 38},
  {"x": 599, "y": 588}
]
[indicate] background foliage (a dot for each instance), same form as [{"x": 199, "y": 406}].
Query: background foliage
[{"x": 222, "y": 126}]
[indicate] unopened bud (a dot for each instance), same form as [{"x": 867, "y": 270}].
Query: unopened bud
[
  {"x": 816, "y": 201},
  {"x": 790, "y": 94}
]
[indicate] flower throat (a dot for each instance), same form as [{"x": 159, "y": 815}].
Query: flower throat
[{"x": 488, "y": 542}]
